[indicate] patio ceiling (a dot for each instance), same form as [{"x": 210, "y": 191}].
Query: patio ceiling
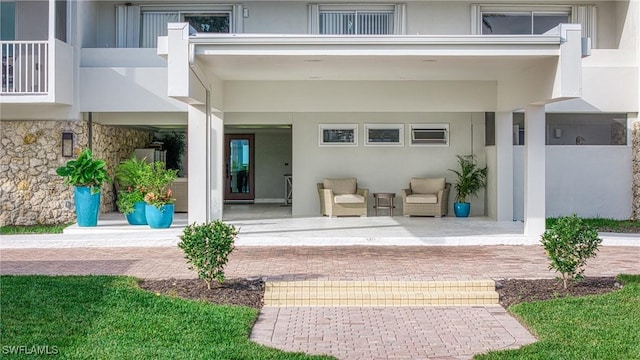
[
  {"x": 417, "y": 58},
  {"x": 345, "y": 68}
]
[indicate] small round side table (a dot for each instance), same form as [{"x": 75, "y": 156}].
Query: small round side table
[{"x": 384, "y": 201}]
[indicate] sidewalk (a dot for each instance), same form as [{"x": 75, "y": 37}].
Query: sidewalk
[{"x": 349, "y": 332}]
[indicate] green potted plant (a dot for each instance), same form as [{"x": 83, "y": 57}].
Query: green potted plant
[
  {"x": 159, "y": 207},
  {"x": 129, "y": 175},
  {"x": 86, "y": 174},
  {"x": 471, "y": 179}
]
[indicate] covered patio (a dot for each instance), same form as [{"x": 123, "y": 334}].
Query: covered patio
[{"x": 307, "y": 81}]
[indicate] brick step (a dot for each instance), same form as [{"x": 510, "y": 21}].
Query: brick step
[{"x": 380, "y": 293}]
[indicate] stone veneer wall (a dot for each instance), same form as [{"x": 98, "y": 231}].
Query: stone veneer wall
[
  {"x": 635, "y": 136},
  {"x": 30, "y": 190}
]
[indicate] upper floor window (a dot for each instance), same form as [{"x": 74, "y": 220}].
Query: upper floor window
[
  {"x": 521, "y": 23},
  {"x": 504, "y": 19},
  {"x": 140, "y": 26},
  {"x": 356, "y": 19},
  {"x": 154, "y": 23}
]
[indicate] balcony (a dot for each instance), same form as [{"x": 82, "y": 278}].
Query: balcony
[{"x": 36, "y": 72}]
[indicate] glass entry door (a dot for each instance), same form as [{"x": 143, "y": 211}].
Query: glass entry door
[{"x": 239, "y": 167}]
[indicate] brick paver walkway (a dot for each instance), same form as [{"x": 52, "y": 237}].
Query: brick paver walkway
[
  {"x": 323, "y": 263},
  {"x": 349, "y": 333}
]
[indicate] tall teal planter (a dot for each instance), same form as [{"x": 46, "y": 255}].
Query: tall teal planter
[
  {"x": 87, "y": 206},
  {"x": 462, "y": 209},
  {"x": 138, "y": 216},
  {"x": 159, "y": 218}
]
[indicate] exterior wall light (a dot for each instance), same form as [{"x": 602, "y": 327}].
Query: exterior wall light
[{"x": 67, "y": 144}]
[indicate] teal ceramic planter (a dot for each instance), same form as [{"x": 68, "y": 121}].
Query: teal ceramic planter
[
  {"x": 138, "y": 216},
  {"x": 159, "y": 218},
  {"x": 462, "y": 209},
  {"x": 87, "y": 206}
]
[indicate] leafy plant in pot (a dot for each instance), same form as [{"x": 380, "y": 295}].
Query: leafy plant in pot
[
  {"x": 471, "y": 179},
  {"x": 159, "y": 207},
  {"x": 129, "y": 177},
  {"x": 87, "y": 175}
]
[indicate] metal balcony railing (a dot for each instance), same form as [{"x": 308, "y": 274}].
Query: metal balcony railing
[{"x": 25, "y": 67}]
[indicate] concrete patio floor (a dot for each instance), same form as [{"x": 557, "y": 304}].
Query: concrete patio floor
[{"x": 268, "y": 225}]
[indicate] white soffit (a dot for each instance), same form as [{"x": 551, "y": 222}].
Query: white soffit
[{"x": 302, "y": 57}]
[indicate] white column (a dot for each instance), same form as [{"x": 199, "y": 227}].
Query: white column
[
  {"x": 205, "y": 152},
  {"x": 178, "y": 69},
  {"x": 534, "y": 170},
  {"x": 504, "y": 161},
  {"x": 52, "y": 21},
  {"x": 197, "y": 163},
  {"x": 216, "y": 150}
]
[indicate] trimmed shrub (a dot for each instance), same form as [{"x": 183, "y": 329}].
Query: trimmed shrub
[
  {"x": 569, "y": 243},
  {"x": 207, "y": 247}
]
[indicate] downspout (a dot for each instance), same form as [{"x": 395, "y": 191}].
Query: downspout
[{"x": 208, "y": 155}]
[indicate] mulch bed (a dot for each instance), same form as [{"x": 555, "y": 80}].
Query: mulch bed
[
  {"x": 514, "y": 291},
  {"x": 250, "y": 292},
  {"x": 247, "y": 292}
]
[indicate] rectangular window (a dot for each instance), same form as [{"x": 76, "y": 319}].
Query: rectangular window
[
  {"x": 338, "y": 134},
  {"x": 374, "y": 19},
  {"x": 516, "y": 19},
  {"x": 209, "y": 23},
  {"x": 384, "y": 134},
  {"x": 356, "y": 22},
  {"x": 521, "y": 23},
  {"x": 7, "y": 20},
  {"x": 430, "y": 134},
  {"x": 154, "y": 24},
  {"x": 61, "y": 20}
]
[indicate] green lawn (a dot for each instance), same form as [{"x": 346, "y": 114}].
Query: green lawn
[
  {"x": 590, "y": 327},
  {"x": 607, "y": 225},
  {"x": 109, "y": 317},
  {"x": 32, "y": 229}
]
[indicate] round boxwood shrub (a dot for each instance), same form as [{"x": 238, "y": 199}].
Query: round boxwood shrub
[{"x": 207, "y": 247}]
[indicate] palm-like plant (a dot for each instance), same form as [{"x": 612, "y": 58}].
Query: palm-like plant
[{"x": 471, "y": 178}]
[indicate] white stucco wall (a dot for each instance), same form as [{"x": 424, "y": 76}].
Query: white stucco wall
[
  {"x": 282, "y": 17},
  {"x": 439, "y": 18},
  {"x": 492, "y": 181},
  {"x": 320, "y": 96},
  {"x": 126, "y": 89},
  {"x": 590, "y": 181},
  {"x": 273, "y": 151}
]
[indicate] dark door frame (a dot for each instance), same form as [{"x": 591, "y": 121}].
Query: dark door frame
[{"x": 250, "y": 177}]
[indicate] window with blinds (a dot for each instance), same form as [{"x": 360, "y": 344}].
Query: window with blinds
[
  {"x": 138, "y": 26},
  {"x": 360, "y": 19},
  {"x": 356, "y": 22}
]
